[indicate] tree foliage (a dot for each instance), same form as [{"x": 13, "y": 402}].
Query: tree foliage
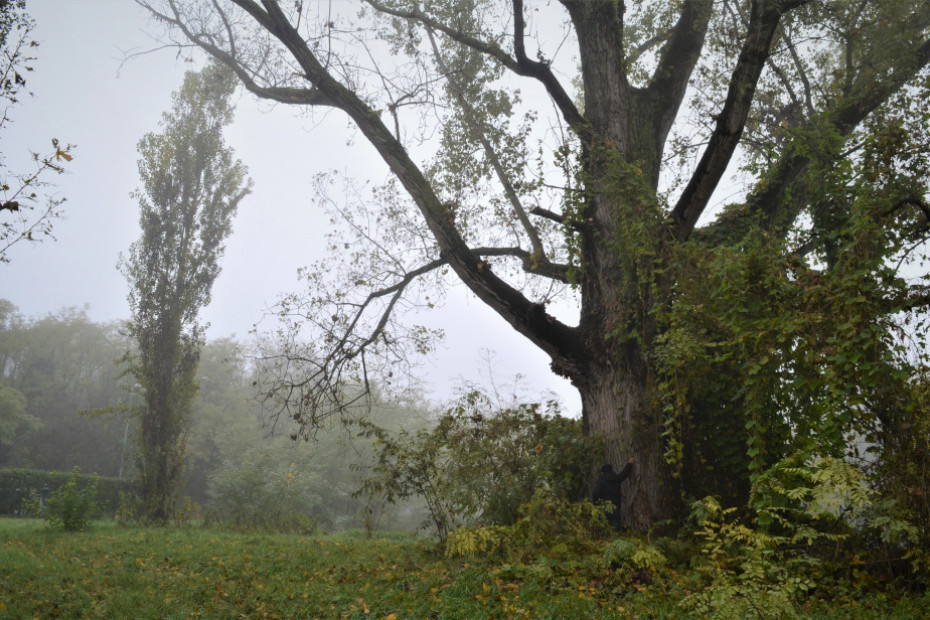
[
  {"x": 709, "y": 343},
  {"x": 24, "y": 218},
  {"x": 13, "y": 414},
  {"x": 63, "y": 367},
  {"x": 479, "y": 464},
  {"x": 191, "y": 188},
  {"x": 71, "y": 506}
]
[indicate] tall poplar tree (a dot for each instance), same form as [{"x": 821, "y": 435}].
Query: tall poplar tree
[{"x": 191, "y": 187}]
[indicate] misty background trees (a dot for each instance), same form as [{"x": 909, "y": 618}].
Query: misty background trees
[
  {"x": 72, "y": 403},
  {"x": 61, "y": 365}
]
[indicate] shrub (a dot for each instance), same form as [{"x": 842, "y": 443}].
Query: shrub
[
  {"x": 71, "y": 506},
  {"x": 129, "y": 509},
  {"x": 17, "y": 485},
  {"x": 632, "y": 556},
  {"x": 479, "y": 465},
  {"x": 263, "y": 495},
  {"x": 481, "y": 541},
  {"x": 760, "y": 568},
  {"x": 548, "y": 526},
  {"x": 747, "y": 574}
]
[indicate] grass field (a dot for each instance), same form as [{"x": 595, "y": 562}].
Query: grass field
[{"x": 194, "y": 572}]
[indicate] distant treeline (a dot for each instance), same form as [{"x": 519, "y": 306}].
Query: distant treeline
[{"x": 65, "y": 401}]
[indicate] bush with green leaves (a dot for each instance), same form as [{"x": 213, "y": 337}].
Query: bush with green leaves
[
  {"x": 17, "y": 485},
  {"x": 258, "y": 491},
  {"x": 804, "y": 511},
  {"x": 72, "y": 506},
  {"x": 631, "y": 555},
  {"x": 479, "y": 464},
  {"x": 748, "y": 573},
  {"x": 548, "y": 526},
  {"x": 832, "y": 506}
]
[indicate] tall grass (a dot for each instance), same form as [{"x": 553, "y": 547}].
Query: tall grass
[{"x": 193, "y": 572}]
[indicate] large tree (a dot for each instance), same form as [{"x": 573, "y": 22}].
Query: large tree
[
  {"x": 192, "y": 186},
  {"x": 707, "y": 352}
]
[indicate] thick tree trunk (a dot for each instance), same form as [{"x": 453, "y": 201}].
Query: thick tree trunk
[
  {"x": 622, "y": 240},
  {"x": 619, "y": 407}
]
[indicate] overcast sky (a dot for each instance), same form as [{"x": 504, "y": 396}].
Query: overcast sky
[{"x": 85, "y": 94}]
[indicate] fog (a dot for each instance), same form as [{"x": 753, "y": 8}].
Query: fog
[{"x": 100, "y": 83}]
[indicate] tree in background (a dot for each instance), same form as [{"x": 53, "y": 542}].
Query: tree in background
[
  {"x": 250, "y": 475},
  {"x": 192, "y": 186},
  {"x": 59, "y": 368},
  {"x": 63, "y": 403},
  {"x": 266, "y": 481},
  {"x": 707, "y": 349},
  {"x": 19, "y": 197},
  {"x": 13, "y": 415},
  {"x": 225, "y": 404}
]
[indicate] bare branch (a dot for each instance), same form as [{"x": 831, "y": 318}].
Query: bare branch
[
  {"x": 489, "y": 152},
  {"x": 763, "y": 22},
  {"x": 635, "y": 54},
  {"x": 204, "y": 41},
  {"x": 311, "y": 388},
  {"x": 521, "y": 65},
  {"x": 867, "y": 96},
  {"x": 676, "y": 64},
  {"x": 542, "y": 72},
  {"x": 786, "y": 82},
  {"x": 549, "y": 215},
  {"x": 799, "y": 66}
]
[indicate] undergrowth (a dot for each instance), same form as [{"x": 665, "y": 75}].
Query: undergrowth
[{"x": 204, "y": 572}]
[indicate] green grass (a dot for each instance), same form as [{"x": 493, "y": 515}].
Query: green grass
[{"x": 192, "y": 572}]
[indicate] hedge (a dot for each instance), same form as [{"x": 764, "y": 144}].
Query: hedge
[{"x": 19, "y": 484}]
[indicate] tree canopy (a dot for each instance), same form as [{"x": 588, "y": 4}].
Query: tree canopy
[
  {"x": 583, "y": 147},
  {"x": 56, "y": 368}
]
